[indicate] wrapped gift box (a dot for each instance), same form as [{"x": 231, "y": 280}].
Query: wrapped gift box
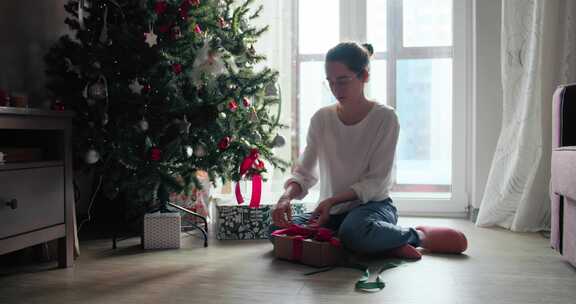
[
  {"x": 196, "y": 201},
  {"x": 308, "y": 251},
  {"x": 240, "y": 222},
  {"x": 161, "y": 230}
]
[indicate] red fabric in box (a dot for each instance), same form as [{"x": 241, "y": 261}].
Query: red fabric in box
[{"x": 310, "y": 246}]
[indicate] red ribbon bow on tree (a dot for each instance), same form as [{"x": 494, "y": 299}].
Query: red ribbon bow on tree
[{"x": 251, "y": 162}]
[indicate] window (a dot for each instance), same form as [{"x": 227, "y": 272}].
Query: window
[{"x": 419, "y": 68}]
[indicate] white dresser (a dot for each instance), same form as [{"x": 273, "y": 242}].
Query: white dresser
[{"x": 36, "y": 187}]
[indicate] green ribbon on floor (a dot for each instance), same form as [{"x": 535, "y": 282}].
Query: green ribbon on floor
[{"x": 364, "y": 284}]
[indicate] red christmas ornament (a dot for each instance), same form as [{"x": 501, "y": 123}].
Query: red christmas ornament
[
  {"x": 164, "y": 28},
  {"x": 197, "y": 29},
  {"x": 155, "y": 154},
  {"x": 232, "y": 105},
  {"x": 160, "y": 7},
  {"x": 194, "y": 2},
  {"x": 177, "y": 68},
  {"x": 183, "y": 9},
  {"x": 222, "y": 23},
  {"x": 246, "y": 102},
  {"x": 224, "y": 143}
]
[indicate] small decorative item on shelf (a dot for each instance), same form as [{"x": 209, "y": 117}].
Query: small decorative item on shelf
[
  {"x": 1, "y": 158},
  {"x": 24, "y": 154},
  {"x": 4, "y": 98},
  {"x": 19, "y": 100},
  {"x": 161, "y": 230},
  {"x": 240, "y": 222},
  {"x": 57, "y": 105}
]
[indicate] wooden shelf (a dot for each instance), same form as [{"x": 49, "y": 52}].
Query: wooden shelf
[
  {"x": 30, "y": 165},
  {"x": 35, "y": 112}
]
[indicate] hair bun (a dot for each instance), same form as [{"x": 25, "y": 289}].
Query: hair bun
[{"x": 369, "y": 48}]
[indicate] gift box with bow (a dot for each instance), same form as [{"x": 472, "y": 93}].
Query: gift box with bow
[
  {"x": 310, "y": 246},
  {"x": 240, "y": 222}
]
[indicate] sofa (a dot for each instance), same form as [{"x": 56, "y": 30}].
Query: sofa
[{"x": 563, "y": 173}]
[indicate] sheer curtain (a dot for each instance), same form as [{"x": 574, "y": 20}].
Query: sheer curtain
[
  {"x": 538, "y": 41},
  {"x": 277, "y": 46}
]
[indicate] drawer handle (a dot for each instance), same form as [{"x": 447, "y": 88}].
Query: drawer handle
[{"x": 12, "y": 203}]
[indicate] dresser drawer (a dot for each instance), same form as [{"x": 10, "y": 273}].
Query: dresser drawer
[{"x": 39, "y": 194}]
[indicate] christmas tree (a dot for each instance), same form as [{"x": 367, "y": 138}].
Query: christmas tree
[{"x": 163, "y": 88}]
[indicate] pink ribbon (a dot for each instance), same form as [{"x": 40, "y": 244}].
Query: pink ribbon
[
  {"x": 301, "y": 233},
  {"x": 251, "y": 161}
]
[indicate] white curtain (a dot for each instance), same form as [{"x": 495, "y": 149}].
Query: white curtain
[
  {"x": 538, "y": 40},
  {"x": 277, "y": 45}
]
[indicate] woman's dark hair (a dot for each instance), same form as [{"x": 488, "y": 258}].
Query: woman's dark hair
[{"x": 353, "y": 55}]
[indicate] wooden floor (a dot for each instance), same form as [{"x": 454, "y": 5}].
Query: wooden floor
[{"x": 499, "y": 267}]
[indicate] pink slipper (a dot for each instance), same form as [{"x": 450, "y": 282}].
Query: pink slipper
[{"x": 443, "y": 240}]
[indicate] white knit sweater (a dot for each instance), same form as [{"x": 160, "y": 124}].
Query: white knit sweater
[{"x": 357, "y": 157}]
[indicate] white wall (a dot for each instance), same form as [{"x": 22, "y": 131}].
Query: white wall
[
  {"x": 27, "y": 30},
  {"x": 486, "y": 94}
]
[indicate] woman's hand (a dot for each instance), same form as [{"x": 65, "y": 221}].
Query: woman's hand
[
  {"x": 321, "y": 214},
  {"x": 282, "y": 214}
]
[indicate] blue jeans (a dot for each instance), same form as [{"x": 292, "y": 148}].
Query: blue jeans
[{"x": 369, "y": 228}]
